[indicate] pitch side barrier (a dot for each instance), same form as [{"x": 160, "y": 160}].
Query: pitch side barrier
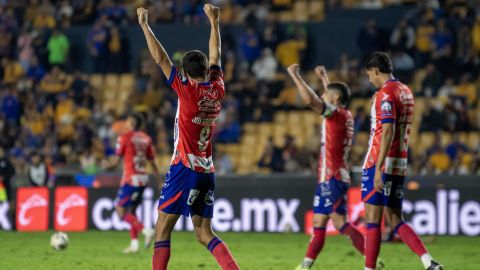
[{"x": 437, "y": 206}]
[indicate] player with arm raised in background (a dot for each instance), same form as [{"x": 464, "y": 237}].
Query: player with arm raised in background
[
  {"x": 385, "y": 165},
  {"x": 137, "y": 150},
  {"x": 189, "y": 184},
  {"x": 330, "y": 199}
]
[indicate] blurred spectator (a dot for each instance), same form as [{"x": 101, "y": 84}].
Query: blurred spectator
[
  {"x": 250, "y": 45},
  {"x": 290, "y": 51},
  {"x": 5, "y": 42},
  {"x": 79, "y": 85},
  {"x": 438, "y": 162},
  {"x": 368, "y": 38},
  {"x": 403, "y": 64},
  {"x": 58, "y": 46},
  {"x": 361, "y": 121},
  {"x": 467, "y": 90},
  {"x": 44, "y": 20},
  {"x": 230, "y": 130},
  {"x": 25, "y": 47},
  {"x": 54, "y": 83},
  {"x": 38, "y": 171},
  {"x": 432, "y": 118},
  {"x": 35, "y": 71},
  {"x": 223, "y": 163},
  {"x": 116, "y": 52},
  {"x": 271, "y": 157},
  {"x": 455, "y": 147},
  {"x": 442, "y": 38},
  {"x": 290, "y": 154},
  {"x": 447, "y": 89},
  {"x": 288, "y": 98},
  {"x": 432, "y": 82},
  {"x": 476, "y": 35},
  {"x": 11, "y": 107},
  {"x": 7, "y": 171},
  {"x": 424, "y": 43},
  {"x": 65, "y": 13},
  {"x": 403, "y": 37},
  {"x": 12, "y": 71},
  {"x": 265, "y": 68},
  {"x": 97, "y": 44},
  {"x": 113, "y": 10},
  {"x": 88, "y": 162}
]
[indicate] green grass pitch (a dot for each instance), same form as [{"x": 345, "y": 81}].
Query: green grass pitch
[{"x": 103, "y": 250}]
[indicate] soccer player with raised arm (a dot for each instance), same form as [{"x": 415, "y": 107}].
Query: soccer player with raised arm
[
  {"x": 189, "y": 184},
  {"x": 137, "y": 150},
  {"x": 333, "y": 171},
  {"x": 385, "y": 165}
]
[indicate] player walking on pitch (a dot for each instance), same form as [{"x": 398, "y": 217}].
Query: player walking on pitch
[
  {"x": 385, "y": 164},
  {"x": 189, "y": 184},
  {"x": 136, "y": 148},
  {"x": 333, "y": 171}
]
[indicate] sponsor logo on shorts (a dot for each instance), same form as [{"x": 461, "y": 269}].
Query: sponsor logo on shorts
[
  {"x": 192, "y": 196},
  {"x": 210, "y": 197}
]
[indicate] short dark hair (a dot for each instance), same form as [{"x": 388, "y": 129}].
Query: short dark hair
[
  {"x": 381, "y": 61},
  {"x": 343, "y": 89},
  {"x": 194, "y": 64},
  {"x": 139, "y": 120}
]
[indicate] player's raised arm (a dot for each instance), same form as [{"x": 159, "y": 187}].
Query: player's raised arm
[
  {"x": 322, "y": 74},
  {"x": 156, "y": 49},
  {"x": 307, "y": 93},
  {"x": 214, "y": 45}
]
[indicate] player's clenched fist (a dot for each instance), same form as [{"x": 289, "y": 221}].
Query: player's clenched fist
[
  {"x": 213, "y": 12},
  {"x": 321, "y": 71},
  {"x": 142, "y": 15},
  {"x": 293, "y": 69}
]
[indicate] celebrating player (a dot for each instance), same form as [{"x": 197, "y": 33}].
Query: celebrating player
[
  {"x": 333, "y": 171},
  {"x": 136, "y": 148},
  {"x": 385, "y": 165},
  {"x": 189, "y": 185}
]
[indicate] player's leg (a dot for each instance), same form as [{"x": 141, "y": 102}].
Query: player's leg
[
  {"x": 163, "y": 233},
  {"x": 219, "y": 250},
  {"x": 125, "y": 209},
  {"x": 317, "y": 241},
  {"x": 374, "y": 202},
  {"x": 350, "y": 231},
  {"x": 323, "y": 203},
  {"x": 393, "y": 211}
]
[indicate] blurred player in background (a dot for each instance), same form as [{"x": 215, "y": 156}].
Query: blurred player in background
[
  {"x": 330, "y": 199},
  {"x": 137, "y": 150},
  {"x": 385, "y": 165},
  {"x": 189, "y": 185}
]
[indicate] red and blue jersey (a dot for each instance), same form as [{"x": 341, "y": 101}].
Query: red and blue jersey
[
  {"x": 337, "y": 134},
  {"x": 393, "y": 103},
  {"x": 198, "y": 108},
  {"x": 136, "y": 148}
]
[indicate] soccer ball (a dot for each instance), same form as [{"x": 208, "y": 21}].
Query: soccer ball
[{"x": 59, "y": 241}]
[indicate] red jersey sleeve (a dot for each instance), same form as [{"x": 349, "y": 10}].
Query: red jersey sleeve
[
  {"x": 150, "y": 151},
  {"x": 385, "y": 103},
  {"x": 179, "y": 82},
  {"x": 216, "y": 73},
  {"x": 120, "y": 146}
]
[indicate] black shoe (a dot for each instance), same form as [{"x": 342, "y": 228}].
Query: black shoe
[{"x": 435, "y": 266}]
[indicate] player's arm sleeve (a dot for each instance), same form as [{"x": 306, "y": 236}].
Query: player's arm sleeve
[
  {"x": 216, "y": 77},
  {"x": 178, "y": 82},
  {"x": 385, "y": 102},
  {"x": 120, "y": 146},
  {"x": 150, "y": 152}
]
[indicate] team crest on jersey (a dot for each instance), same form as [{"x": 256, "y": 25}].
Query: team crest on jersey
[
  {"x": 209, "y": 197},
  {"x": 386, "y": 108}
]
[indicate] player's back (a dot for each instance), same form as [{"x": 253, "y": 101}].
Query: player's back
[
  {"x": 393, "y": 103},
  {"x": 199, "y": 105},
  {"x": 337, "y": 134},
  {"x": 136, "y": 147}
]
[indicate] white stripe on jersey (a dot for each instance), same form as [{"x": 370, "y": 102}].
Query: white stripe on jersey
[
  {"x": 176, "y": 131},
  {"x": 323, "y": 153},
  {"x": 373, "y": 126}
]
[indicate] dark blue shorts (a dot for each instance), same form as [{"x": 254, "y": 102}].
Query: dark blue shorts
[
  {"x": 330, "y": 197},
  {"x": 187, "y": 192},
  {"x": 129, "y": 196},
  {"x": 392, "y": 194}
]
